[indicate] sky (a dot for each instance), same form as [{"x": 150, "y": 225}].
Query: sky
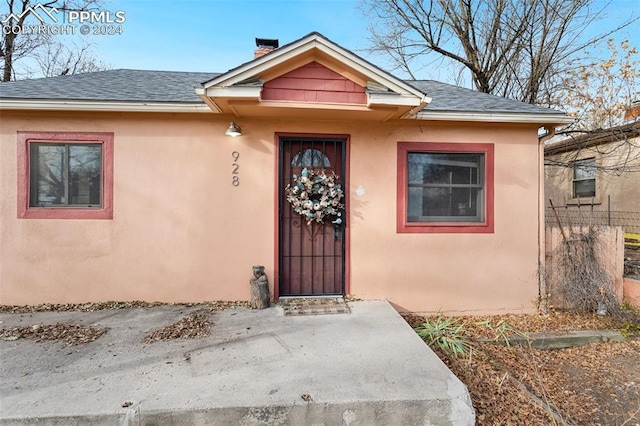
[{"x": 217, "y": 35}]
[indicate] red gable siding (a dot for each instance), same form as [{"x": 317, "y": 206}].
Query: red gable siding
[{"x": 314, "y": 83}]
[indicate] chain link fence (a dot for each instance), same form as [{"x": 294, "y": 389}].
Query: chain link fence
[{"x": 586, "y": 216}]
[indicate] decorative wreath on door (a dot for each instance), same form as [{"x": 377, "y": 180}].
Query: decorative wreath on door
[{"x": 315, "y": 196}]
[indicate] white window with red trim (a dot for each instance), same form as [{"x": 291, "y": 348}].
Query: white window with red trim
[
  {"x": 445, "y": 187},
  {"x": 65, "y": 175}
]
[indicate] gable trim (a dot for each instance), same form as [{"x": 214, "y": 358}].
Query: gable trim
[{"x": 408, "y": 95}]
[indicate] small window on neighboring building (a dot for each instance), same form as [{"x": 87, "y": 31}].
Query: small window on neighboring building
[
  {"x": 65, "y": 175},
  {"x": 445, "y": 187},
  {"x": 584, "y": 178}
]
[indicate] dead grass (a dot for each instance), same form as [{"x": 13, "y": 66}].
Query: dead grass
[
  {"x": 71, "y": 334},
  {"x": 99, "y": 306},
  {"x": 596, "y": 384},
  {"x": 194, "y": 326}
]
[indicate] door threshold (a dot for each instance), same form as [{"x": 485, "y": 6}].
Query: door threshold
[{"x": 295, "y": 306}]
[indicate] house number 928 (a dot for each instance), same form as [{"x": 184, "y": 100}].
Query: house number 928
[{"x": 235, "y": 176}]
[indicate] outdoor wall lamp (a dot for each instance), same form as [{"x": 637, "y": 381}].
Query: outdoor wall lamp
[{"x": 233, "y": 130}]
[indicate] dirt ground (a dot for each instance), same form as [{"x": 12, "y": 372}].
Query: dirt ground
[{"x": 596, "y": 384}]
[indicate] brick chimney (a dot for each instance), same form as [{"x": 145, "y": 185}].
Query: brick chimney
[
  {"x": 633, "y": 112},
  {"x": 264, "y": 46}
]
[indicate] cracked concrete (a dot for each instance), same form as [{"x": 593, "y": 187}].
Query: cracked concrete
[{"x": 257, "y": 367}]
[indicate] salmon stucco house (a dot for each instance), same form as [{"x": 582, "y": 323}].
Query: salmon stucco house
[{"x": 342, "y": 180}]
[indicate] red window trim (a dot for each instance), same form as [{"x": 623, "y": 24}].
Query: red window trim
[
  {"x": 404, "y": 227},
  {"x": 27, "y": 212}
]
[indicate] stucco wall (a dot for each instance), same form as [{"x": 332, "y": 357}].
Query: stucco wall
[
  {"x": 632, "y": 291},
  {"x": 182, "y": 232},
  {"x": 615, "y": 178},
  {"x": 446, "y": 272}
]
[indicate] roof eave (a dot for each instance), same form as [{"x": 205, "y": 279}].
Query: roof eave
[
  {"x": 396, "y": 99},
  {"x": 116, "y": 106},
  {"x": 497, "y": 117},
  {"x": 252, "y": 92},
  {"x": 615, "y": 134}
]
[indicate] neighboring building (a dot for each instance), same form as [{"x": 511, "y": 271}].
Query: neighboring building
[
  {"x": 122, "y": 185},
  {"x": 595, "y": 178}
]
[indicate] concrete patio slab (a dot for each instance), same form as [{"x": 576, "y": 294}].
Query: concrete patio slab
[{"x": 257, "y": 368}]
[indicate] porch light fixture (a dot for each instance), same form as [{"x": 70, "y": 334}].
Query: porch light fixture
[{"x": 233, "y": 130}]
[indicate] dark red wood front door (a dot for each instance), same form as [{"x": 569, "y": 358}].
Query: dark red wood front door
[{"x": 311, "y": 258}]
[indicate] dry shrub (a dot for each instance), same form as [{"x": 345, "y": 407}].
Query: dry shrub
[{"x": 579, "y": 277}]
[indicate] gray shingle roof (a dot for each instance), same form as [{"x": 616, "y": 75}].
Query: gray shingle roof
[
  {"x": 168, "y": 86},
  {"x": 113, "y": 85},
  {"x": 448, "y": 98}
]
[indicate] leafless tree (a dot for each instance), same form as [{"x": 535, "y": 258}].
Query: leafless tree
[
  {"x": 599, "y": 88},
  {"x": 17, "y": 45},
  {"x": 600, "y": 92},
  {"x": 534, "y": 51},
  {"x": 618, "y": 147},
  {"x": 511, "y": 48},
  {"x": 60, "y": 59}
]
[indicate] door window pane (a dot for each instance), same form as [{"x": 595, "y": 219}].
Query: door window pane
[{"x": 310, "y": 158}]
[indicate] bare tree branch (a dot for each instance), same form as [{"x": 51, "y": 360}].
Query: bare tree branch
[
  {"x": 512, "y": 48},
  {"x": 618, "y": 147},
  {"x": 18, "y": 45},
  {"x": 59, "y": 59}
]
